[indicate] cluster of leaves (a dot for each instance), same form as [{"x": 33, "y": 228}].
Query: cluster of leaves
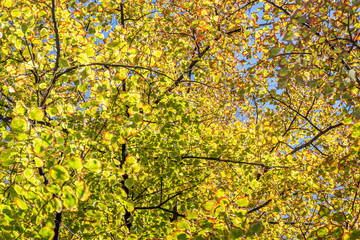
[{"x": 200, "y": 119}]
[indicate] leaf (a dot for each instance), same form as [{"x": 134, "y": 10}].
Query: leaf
[
  {"x": 19, "y": 124},
  {"x": 339, "y": 217},
  {"x": 224, "y": 201},
  {"x": 324, "y": 211},
  {"x": 129, "y": 206},
  {"x": 236, "y": 234},
  {"x": 352, "y": 74},
  {"x": 46, "y": 233},
  {"x": 274, "y": 51},
  {"x": 180, "y": 235},
  {"x": 191, "y": 215},
  {"x": 28, "y": 173},
  {"x": 243, "y": 202},
  {"x": 220, "y": 192},
  {"x": 53, "y": 189},
  {"x": 130, "y": 160},
  {"x": 74, "y": 162},
  {"x": 283, "y": 72},
  {"x": 322, "y": 232},
  {"x": 21, "y": 204},
  {"x": 53, "y": 111},
  {"x": 182, "y": 225},
  {"x": 83, "y": 59},
  {"x": 157, "y": 54},
  {"x": 355, "y": 234},
  {"x": 82, "y": 190},
  {"x": 7, "y": 3},
  {"x": 337, "y": 232},
  {"x": 93, "y": 165},
  {"x": 58, "y": 172},
  {"x": 69, "y": 198},
  {"x": 207, "y": 205},
  {"x": 36, "y": 114},
  {"x": 38, "y": 162},
  {"x": 57, "y": 205},
  {"x": 129, "y": 182},
  {"x": 256, "y": 227},
  {"x": 5, "y": 154}
]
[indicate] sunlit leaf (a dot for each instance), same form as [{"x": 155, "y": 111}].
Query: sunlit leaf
[
  {"x": 19, "y": 124},
  {"x": 46, "y": 233},
  {"x": 69, "y": 198},
  {"x": 36, "y": 114},
  {"x": 243, "y": 201},
  {"x": 182, "y": 225},
  {"x": 93, "y": 165},
  {"x": 58, "y": 172}
]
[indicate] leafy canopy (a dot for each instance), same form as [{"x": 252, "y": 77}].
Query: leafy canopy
[{"x": 200, "y": 119}]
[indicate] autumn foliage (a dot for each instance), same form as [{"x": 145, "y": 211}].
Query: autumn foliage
[{"x": 200, "y": 119}]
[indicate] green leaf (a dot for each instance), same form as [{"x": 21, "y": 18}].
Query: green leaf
[
  {"x": 256, "y": 227},
  {"x": 220, "y": 192},
  {"x": 236, "y": 234},
  {"x": 274, "y": 51},
  {"x": 57, "y": 205},
  {"x": 28, "y": 173},
  {"x": 82, "y": 190},
  {"x": 129, "y": 182},
  {"x": 74, "y": 162},
  {"x": 38, "y": 147},
  {"x": 283, "y": 72},
  {"x": 5, "y": 154},
  {"x": 191, "y": 215},
  {"x": 129, "y": 206},
  {"x": 63, "y": 63},
  {"x": 243, "y": 202},
  {"x": 337, "y": 232},
  {"x": 53, "y": 111},
  {"x": 19, "y": 124},
  {"x": 288, "y": 36},
  {"x": 24, "y": 28},
  {"x": 324, "y": 211},
  {"x": 58, "y": 172},
  {"x": 180, "y": 235},
  {"x": 208, "y": 205},
  {"x": 355, "y": 234},
  {"x": 132, "y": 237},
  {"x": 322, "y": 232},
  {"x": 21, "y": 204},
  {"x": 93, "y": 165},
  {"x": 130, "y": 160},
  {"x": 46, "y": 233},
  {"x": 53, "y": 188},
  {"x": 69, "y": 198},
  {"x": 182, "y": 225},
  {"x": 36, "y": 114},
  {"x": 83, "y": 58},
  {"x": 339, "y": 217}
]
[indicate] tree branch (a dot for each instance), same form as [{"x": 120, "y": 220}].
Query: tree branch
[
  {"x": 57, "y": 226},
  {"x": 57, "y": 39},
  {"x": 259, "y": 207},
  {"x": 57, "y": 42},
  {"x": 314, "y": 138},
  {"x": 112, "y": 65},
  {"x": 233, "y": 161}
]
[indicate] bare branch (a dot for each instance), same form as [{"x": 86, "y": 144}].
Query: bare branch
[
  {"x": 314, "y": 138},
  {"x": 259, "y": 207},
  {"x": 57, "y": 39},
  {"x": 233, "y": 161}
]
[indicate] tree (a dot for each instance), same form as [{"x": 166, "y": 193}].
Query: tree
[{"x": 209, "y": 119}]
